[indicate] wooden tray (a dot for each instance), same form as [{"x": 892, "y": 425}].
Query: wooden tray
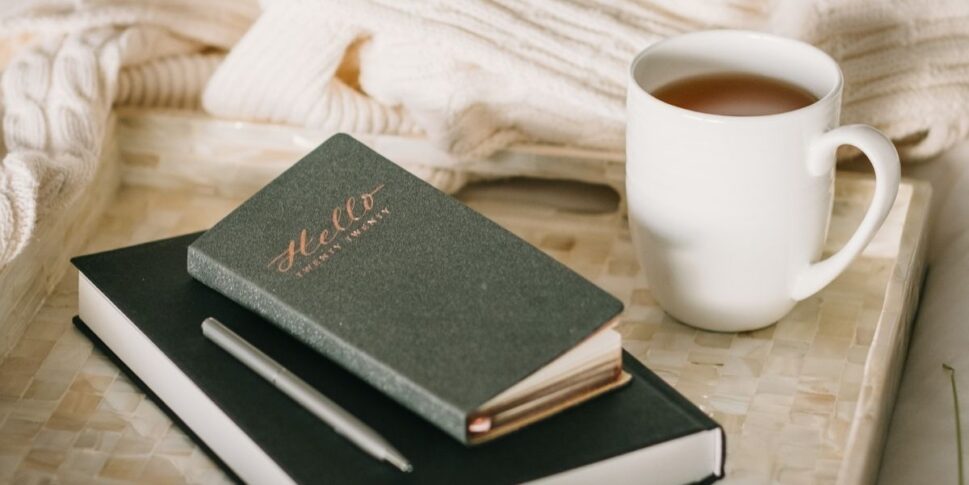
[{"x": 806, "y": 400}]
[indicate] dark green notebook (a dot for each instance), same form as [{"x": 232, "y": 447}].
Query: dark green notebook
[
  {"x": 414, "y": 292},
  {"x": 147, "y": 310}
]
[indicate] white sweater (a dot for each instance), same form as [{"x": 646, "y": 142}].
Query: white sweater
[{"x": 473, "y": 75}]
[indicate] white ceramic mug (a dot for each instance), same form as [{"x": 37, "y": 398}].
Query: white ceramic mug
[{"x": 729, "y": 213}]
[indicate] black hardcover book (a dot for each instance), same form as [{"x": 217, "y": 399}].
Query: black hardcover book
[
  {"x": 144, "y": 306},
  {"x": 429, "y": 301}
]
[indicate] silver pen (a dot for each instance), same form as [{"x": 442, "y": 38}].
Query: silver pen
[{"x": 342, "y": 422}]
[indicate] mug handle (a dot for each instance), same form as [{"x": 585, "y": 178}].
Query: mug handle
[{"x": 820, "y": 160}]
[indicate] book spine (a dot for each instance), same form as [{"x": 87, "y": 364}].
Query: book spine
[{"x": 224, "y": 280}]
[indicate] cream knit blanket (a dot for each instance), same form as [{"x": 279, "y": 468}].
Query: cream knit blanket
[{"x": 471, "y": 75}]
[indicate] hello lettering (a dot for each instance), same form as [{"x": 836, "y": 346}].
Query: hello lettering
[{"x": 310, "y": 241}]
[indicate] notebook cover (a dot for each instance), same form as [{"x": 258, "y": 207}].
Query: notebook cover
[
  {"x": 408, "y": 288},
  {"x": 149, "y": 284}
]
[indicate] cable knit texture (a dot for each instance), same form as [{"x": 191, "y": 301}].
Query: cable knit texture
[
  {"x": 58, "y": 92},
  {"x": 473, "y": 76}
]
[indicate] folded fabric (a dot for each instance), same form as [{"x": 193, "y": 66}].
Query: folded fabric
[
  {"x": 476, "y": 75},
  {"x": 58, "y": 91}
]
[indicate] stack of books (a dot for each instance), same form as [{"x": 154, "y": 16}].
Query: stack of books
[{"x": 366, "y": 316}]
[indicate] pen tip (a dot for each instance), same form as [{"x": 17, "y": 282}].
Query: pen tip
[{"x": 400, "y": 462}]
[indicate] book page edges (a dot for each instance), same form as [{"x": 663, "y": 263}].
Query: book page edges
[{"x": 574, "y": 400}]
